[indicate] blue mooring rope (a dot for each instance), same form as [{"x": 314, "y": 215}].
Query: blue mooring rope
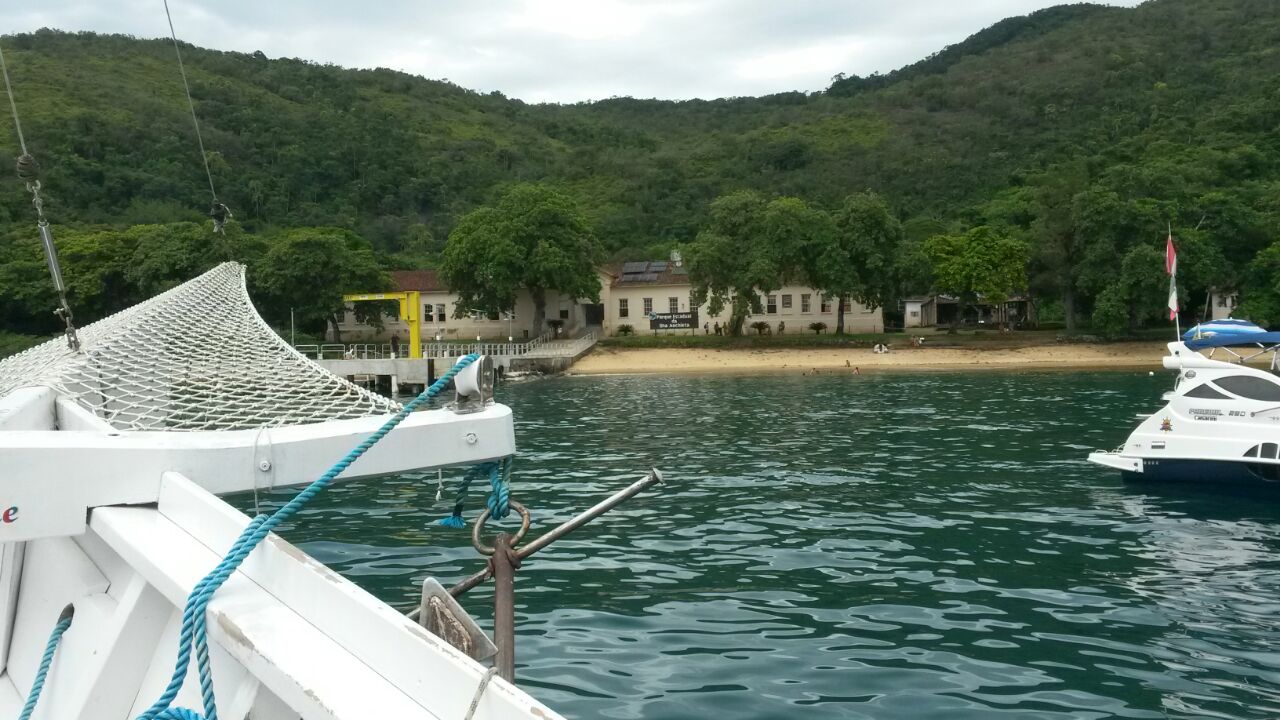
[
  {"x": 499, "y": 502},
  {"x": 37, "y": 685},
  {"x": 193, "y": 615}
]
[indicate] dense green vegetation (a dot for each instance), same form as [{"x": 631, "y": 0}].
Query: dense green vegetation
[{"x": 1079, "y": 132}]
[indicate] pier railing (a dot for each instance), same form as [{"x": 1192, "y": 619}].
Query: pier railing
[{"x": 543, "y": 346}]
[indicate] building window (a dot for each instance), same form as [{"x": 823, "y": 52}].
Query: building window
[
  {"x": 648, "y": 306},
  {"x": 915, "y": 313},
  {"x": 427, "y": 312},
  {"x": 440, "y": 313},
  {"x": 673, "y": 305},
  {"x": 804, "y": 302},
  {"x": 826, "y": 304},
  {"x": 845, "y": 304},
  {"x": 564, "y": 313},
  {"x": 786, "y": 302},
  {"x": 771, "y": 304},
  {"x": 623, "y": 310}
]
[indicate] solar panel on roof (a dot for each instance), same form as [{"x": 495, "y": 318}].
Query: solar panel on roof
[
  {"x": 634, "y": 267},
  {"x": 680, "y": 270},
  {"x": 660, "y": 266}
]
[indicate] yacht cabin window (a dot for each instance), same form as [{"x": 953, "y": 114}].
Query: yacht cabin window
[
  {"x": 1249, "y": 387},
  {"x": 1205, "y": 390}
]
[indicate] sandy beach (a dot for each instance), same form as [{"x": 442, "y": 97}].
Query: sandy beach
[{"x": 609, "y": 360}]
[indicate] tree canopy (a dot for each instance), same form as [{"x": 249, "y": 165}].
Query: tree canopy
[
  {"x": 753, "y": 245},
  {"x": 286, "y": 277},
  {"x": 1084, "y": 131},
  {"x": 534, "y": 239},
  {"x": 984, "y": 262},
  {"x": 862, "y": 258}
]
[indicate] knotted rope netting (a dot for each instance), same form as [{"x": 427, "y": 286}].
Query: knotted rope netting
[{"x": 198, "y": 357}]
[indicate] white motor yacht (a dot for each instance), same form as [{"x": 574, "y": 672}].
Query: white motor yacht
[{"x": 1221, "y": 422}]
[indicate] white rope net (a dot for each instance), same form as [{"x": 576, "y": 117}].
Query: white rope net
[{"x": 198, "y": 357}]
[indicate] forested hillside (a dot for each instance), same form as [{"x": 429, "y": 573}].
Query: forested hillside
[{"x": 1083, "y": 128}]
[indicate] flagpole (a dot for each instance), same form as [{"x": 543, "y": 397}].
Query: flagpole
[{"x": 1173, "y": 286}]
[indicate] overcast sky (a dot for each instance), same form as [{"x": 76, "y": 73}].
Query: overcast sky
[{"x": 563, "y": 50}]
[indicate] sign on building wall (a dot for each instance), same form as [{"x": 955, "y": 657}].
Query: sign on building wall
[{"x": 673, "y": 321}]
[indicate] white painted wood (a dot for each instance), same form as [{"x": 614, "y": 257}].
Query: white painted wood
[
  {"x": 72, "y": 416},
  {"x": 10, "y": 701},
  {"x": 341, "y": 609},
  {"x": 27, "y": 409},
  {"x": 55, "y": 572},
  {"x": 11, "y": 555},
  {"x": 123, "y": 524},
  {"x": 129, "y": 637},
  {"x": 54, "y": 478},
  {"x": 294, "y": 658}
]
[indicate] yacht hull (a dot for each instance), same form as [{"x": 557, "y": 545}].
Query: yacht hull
[{"x": 1200, "y": 471}]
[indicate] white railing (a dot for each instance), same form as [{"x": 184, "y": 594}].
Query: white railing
[
  {"x": 542, "y": 346},
  {"x": 567, "y": 348},
  {"x": 453, "y": 350}
]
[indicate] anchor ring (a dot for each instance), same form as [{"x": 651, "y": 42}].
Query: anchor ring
[{"x": 484, "y": 516}]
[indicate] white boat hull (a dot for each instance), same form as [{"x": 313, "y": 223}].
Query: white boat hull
[
  {"x": 1220, "y": 424},
  {"x": 289, "y": 638}
]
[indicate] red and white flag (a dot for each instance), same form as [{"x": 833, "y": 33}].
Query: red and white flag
[{"x": 1171, "y": 267}]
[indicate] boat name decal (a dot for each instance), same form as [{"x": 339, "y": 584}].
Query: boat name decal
[
  {"x": 1207, "y": 414},
  {"x": 10, "y": 515}
]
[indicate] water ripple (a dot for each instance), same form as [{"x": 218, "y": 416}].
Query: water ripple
[{"x": 881, "y": 546}]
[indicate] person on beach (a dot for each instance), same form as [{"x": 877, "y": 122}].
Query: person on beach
[
  {"x": 395, "y": 345},
  {"x": 717, "y": 327},
  {"x": 706, "y": 329}
]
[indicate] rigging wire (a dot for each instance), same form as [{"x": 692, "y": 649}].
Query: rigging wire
[
  {"x": 218, "y": 211},
  {"x": 29, "y": 172}
]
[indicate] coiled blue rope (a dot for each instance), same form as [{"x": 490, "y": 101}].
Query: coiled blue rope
[
  {"x": 37, "y": 685},
  {"x": 193, "y": 635},
  {"x": 499, "y": 502}
]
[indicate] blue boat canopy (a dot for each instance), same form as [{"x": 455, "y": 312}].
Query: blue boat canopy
[{"x": 1227, "y": 333}]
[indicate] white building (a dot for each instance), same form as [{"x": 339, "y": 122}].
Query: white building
[
  {"x": 629, "y": 294},
  {"x": 1222, "y": 303},
  {"x": 439, "y": 306},
  {"x": 638, "y": 289},
  {"x": 920, "y": 311}
]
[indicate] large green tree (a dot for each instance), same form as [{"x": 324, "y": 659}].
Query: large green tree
[
  {"x": 984, "y": 262},
  {"x": 861, "y": 261},
  {"x": 752, "y": 245},
  {"x": 1058, "y": 250},
  {"x": 535, "y": 239},
  {"x": 306, "y": 271},
  {"x": 1260, "y": 293}
]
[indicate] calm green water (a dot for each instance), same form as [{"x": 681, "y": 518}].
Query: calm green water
[{"x": 883, "y": 546}]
